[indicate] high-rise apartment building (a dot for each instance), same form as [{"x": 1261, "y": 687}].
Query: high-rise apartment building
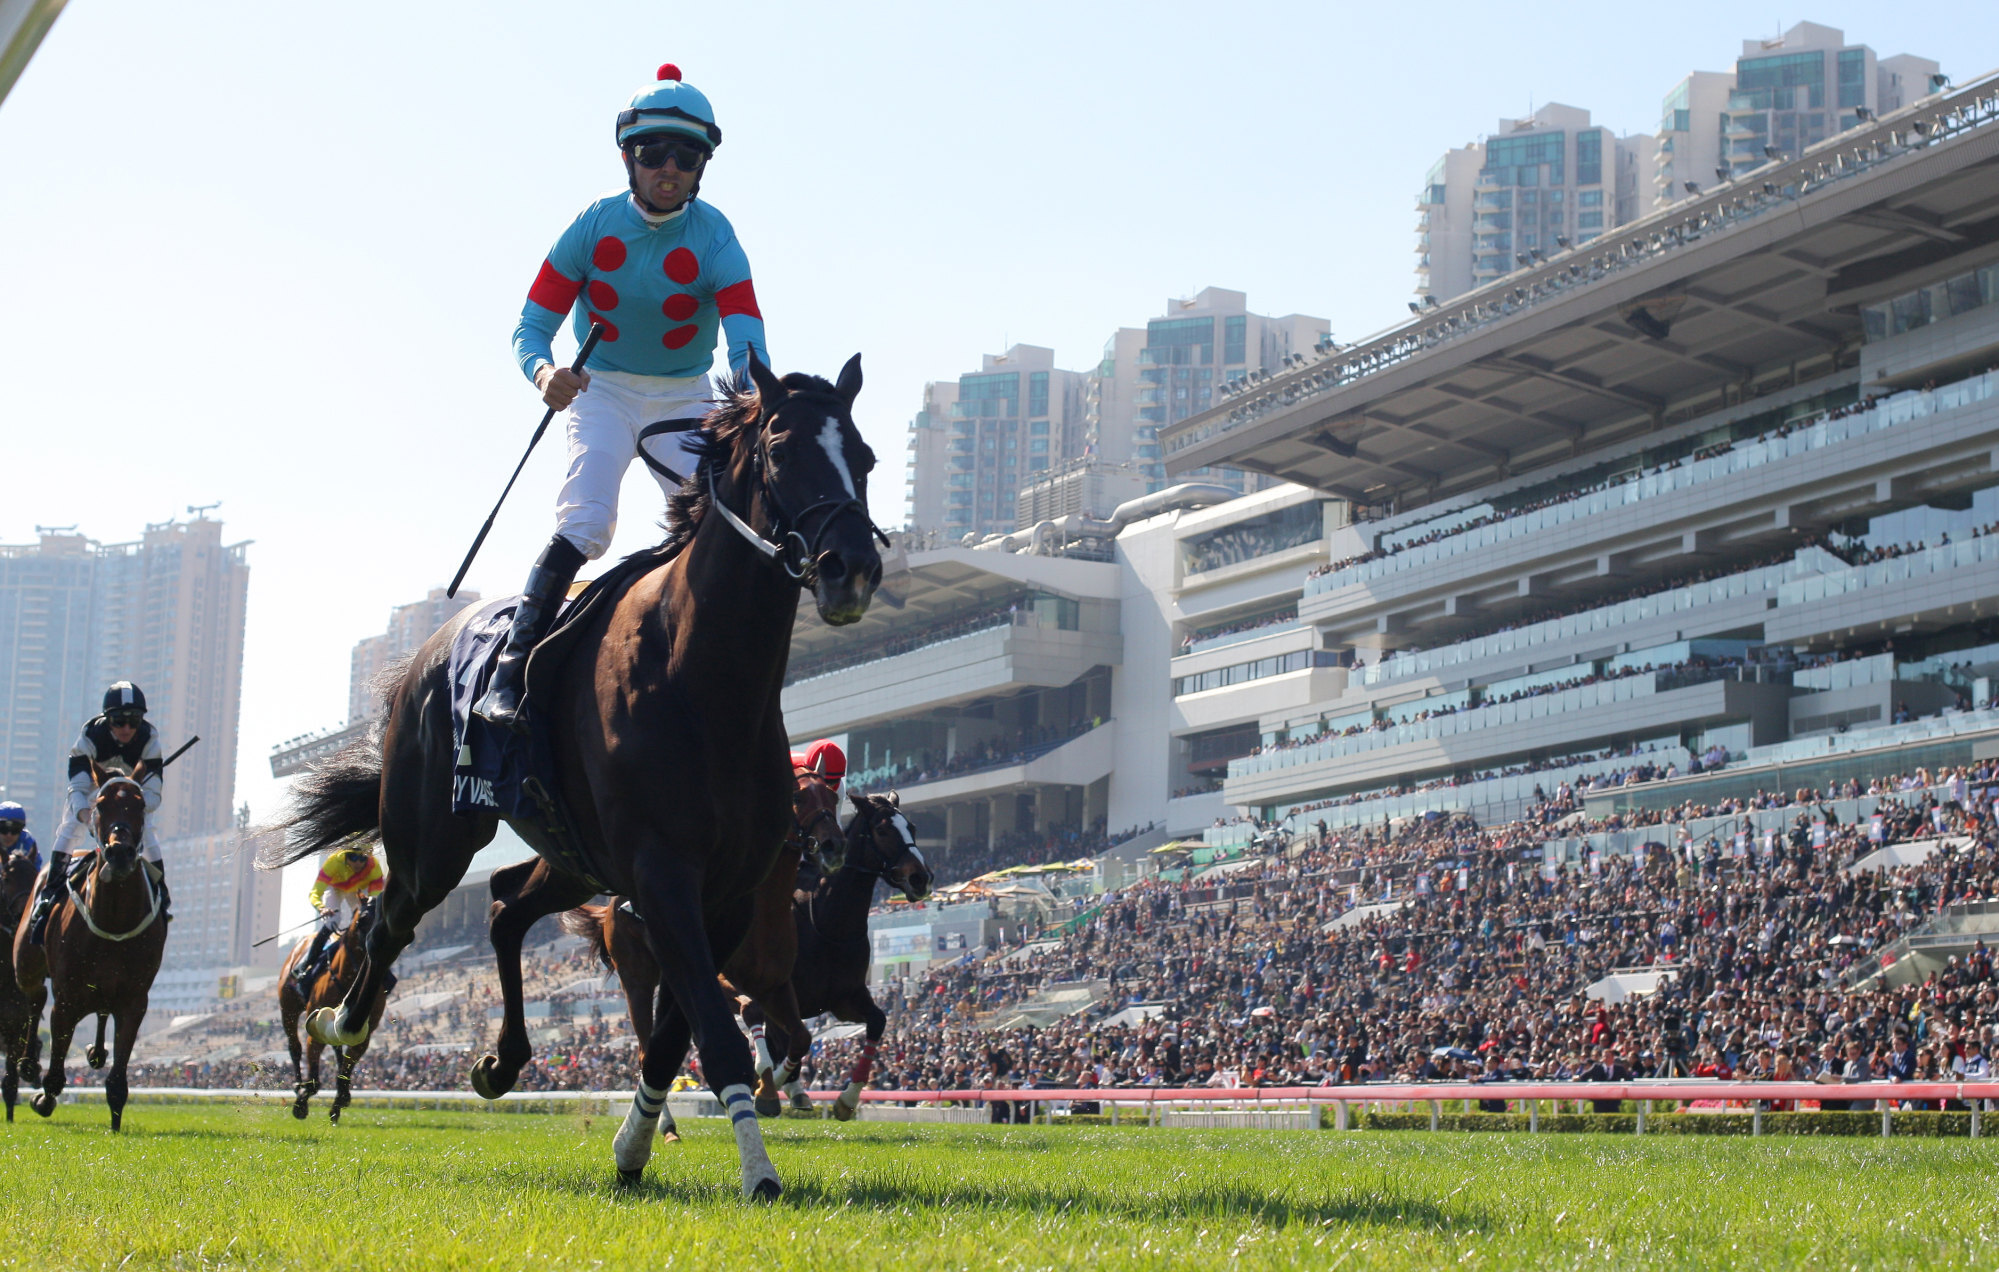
[
  {"x": 1783, "y": 96},
  {"x": 1538, "y": 185},
  {"x": 1171, "y": 369},
  {"x": 166, "y": 612},
  {"x": 409, "y": 626},
  {"x": 1012, "y": 418}
]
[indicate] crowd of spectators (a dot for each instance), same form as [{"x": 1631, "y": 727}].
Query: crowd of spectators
[
  {"x": 1859, "y": 552},
  {"x": 1290, "y": 529},
  {"x": 1631, "y": 775},
  {"x": 1289, "y": 615}
]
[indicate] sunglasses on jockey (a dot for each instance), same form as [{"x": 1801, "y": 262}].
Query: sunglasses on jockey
[
  {"x": 688, "y": 156},
  {"x": 12, "y": 827},
  {"x": 125, "y": 719}
]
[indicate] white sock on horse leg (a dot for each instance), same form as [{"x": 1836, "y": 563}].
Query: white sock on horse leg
[
  {"x": 782, "y": 1076},
  {"x": 742, "y": 1111},
  {"x": 851, "y": 1097},
  {"x": 763, "y": 1049},
  {"x": 632, "y": 1148}
]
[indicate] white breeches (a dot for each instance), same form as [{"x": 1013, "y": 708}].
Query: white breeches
[
  {"x": 74, "y": 836},
  {"x": 339, "y": 911},
  {"x": 603, "y": 426}
]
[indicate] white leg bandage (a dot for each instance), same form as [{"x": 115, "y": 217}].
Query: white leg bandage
[
  {"x": 632, "y": 1149},
  {"x": 762, "y": 1047},
  {"x": 758, "y": 1173}
]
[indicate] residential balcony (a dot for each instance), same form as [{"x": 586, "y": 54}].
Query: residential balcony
[{"x": 1009, "y": 655}]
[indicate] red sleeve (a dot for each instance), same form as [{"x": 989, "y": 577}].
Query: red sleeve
[
  {"x": 736, "y": 298},
  {"x": 555, "y": 293}
]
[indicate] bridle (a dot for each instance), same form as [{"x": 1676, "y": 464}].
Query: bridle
[
  {"x": 105, "y": 789},
  {"x": 791, "y": 550},
  {"x": 801, "y": 829}
]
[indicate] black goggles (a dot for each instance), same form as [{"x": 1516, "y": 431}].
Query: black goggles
[
  {"x": 12, "y": 827},
  {"x": 130, "y": 719},
  {"x": 687, "y": 156}
]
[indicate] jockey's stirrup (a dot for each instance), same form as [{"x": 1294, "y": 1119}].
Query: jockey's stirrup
[{"x": 548, "y": 582}]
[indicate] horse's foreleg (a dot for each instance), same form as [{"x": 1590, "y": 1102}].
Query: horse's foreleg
[
  {"x": 31, "y": 1068},
  {"x": 96, "y": 1055},
  {"x": 632, "y": 1148},
  {"x": 677, "y": 931},
  {"x": 782, "y": 1006},
  {"x": 862, "y": 1009},
  {"x": 766, "y": 1094},
  {"x": 541, "y": 894},
  {"x": 129, "y": 1019},
  {"x": 394, "y": 926},
  {"x": 345, "y": 1058},
  {"x": 62, "y": 1024},
  {"x": 10, "y": 1081}
]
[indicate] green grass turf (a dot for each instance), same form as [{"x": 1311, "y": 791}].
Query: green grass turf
[{"x": 222, "y": 1186}]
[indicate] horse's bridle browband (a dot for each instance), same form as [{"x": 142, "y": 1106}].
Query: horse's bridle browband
[{"x": 791, "y": 550}]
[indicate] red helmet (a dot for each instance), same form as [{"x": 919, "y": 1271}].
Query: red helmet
[{"x": 824, "y": 759}]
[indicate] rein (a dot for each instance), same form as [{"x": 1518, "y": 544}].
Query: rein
[
  {"x": 790, "y": 551},
  {"x": 76, "y": 897}
]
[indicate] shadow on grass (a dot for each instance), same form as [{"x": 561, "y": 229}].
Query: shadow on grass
[{"x": 1381, "y": 1206}]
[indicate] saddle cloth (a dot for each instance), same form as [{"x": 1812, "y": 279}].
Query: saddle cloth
[{"x": 497, "y": 771}]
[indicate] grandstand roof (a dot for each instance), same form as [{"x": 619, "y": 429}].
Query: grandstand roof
[{"x": 1719, "y": 298}]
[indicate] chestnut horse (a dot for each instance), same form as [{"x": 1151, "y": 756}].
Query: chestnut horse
[
  {"x": 102, "y": 947},
  {"x": 671, "y": 756},
  {"x": 522, "y": 894},
  {"x": 813, "y": 959},
  {"x": 20, "y": 1013},
  {"x": 328, "y": 988}
]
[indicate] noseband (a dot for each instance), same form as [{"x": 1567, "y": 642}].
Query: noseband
[{"x": 791, "y": 551}]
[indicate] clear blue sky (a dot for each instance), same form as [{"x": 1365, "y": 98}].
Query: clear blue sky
[{"x": 271, "y": 254}]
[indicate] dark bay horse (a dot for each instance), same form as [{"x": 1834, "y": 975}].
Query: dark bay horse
[
  {"x": 672, "y": 758},
  {"x": 620, "y": 941},
  {"x": 102, "y": 947},
  {"x": 328, "y": 988},
  {"x": 20, "y": 1012},
  {"x": 813, "y": 959}
]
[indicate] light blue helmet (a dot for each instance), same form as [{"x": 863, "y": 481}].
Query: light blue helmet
[{"x": 669, "y": 106}]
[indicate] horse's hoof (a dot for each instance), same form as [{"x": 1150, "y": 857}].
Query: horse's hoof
[
  {"x": 669, "y": 1137},
  {"x": 766, "y": 1190},
  {"x": 769, "y": 1106},
  {"x": 334, "y": 1115},
  {"x": 298, "y": 1108},
  {"x": 630, "y": 1178},
  {"x": 97, "y": 1056},
  {"x": 116, "y": 1119},
  {"x": 483, "y": 1080},
  {"x": 43, "y": 1104},
  {"x": 801, "y": 1102},
  {"x": 842, "y": 1112}
]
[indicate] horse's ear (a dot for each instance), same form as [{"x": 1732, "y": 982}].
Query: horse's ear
[
  {"x": 858, "y": 800},
  {"x": 895, "y": 799},
  {"x": 849, "y": 386},
  {"x": 766, "y": 381}
]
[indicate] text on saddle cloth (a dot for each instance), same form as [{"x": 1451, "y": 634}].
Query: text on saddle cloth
[{"x": 495, "y": 770}]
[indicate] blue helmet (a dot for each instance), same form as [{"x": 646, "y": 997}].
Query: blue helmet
[
  {"x": 669, "y": 106},
  {"x": 13, "y": 812}
]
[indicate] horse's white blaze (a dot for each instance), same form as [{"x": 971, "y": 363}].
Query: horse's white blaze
[
  {"x": 834, "y": 445},
  {"x": 901, "y": 825}
]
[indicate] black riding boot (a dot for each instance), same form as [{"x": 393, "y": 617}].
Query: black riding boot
[
  {"x": 54, "y": 888},
  {"x": 158, "y": 870},
  {"x": 548, "y": 583},
  {"x": 308, "y": 967}
]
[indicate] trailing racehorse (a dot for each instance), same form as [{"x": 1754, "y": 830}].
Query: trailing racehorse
[
  {"x": 814, "y": 960},
  {"x": 20, "y": 1013},
  {"x": 328, "y": 987},
  {"x": 670, "y": 750},
  {"x": 522, "y": 895},
  {"x": 102, "y": 947}
]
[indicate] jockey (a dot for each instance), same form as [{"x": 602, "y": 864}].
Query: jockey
[
  {"x": 662, "y": 271},
  {"x": 117, "y": 741},
  {"x": 824, "y": 760},
  {"x": 14, "y": 836},
  {"x": 351, "y": 876}
]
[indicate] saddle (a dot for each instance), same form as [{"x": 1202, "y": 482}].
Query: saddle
[{"x": 498, "y": 772}]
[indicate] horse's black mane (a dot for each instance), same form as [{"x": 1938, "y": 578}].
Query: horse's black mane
[{"x": 732, "y": 423}]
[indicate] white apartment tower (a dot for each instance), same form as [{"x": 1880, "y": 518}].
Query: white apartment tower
[{"x": 409, "y": 627}]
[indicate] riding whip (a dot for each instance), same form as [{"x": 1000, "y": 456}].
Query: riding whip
[
  {"x": 171, "y": 758},
  {"x": 582, "y": 356},
  {"x": 284, "y": 931}
]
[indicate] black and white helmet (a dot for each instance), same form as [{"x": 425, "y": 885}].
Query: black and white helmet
[{"x": 124, "y": 697}]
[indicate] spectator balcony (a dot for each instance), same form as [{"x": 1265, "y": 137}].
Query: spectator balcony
[
  {"x": 1074, "y": 761},
  {"x": 1906, "y": 448},
  {"x": 1013, "y": 651},
  {"x": 1924, "y": 590},
  {"x": 1551, "y": 723}
]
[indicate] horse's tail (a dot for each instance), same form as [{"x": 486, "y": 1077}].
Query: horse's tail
[
  {"x": 337, "y": 801},
  {"x": 587, "y": 921}
]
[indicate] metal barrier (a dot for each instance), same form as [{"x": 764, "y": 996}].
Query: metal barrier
[{"x": 1264, "y": 1107}]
